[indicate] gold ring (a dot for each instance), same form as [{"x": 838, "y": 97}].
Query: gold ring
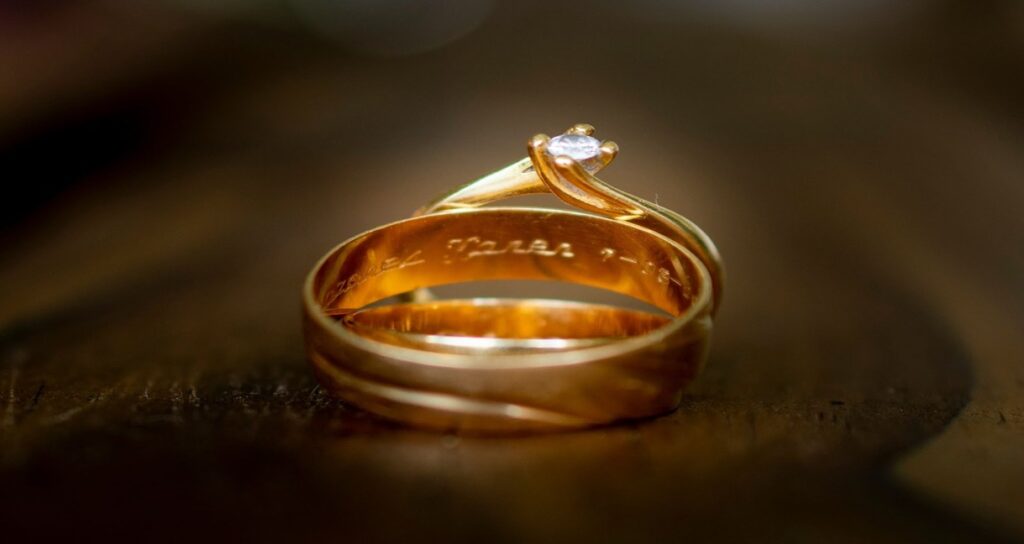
[
  {"x": 499, "y": 365},
  {"x": 500, "y": 325}
]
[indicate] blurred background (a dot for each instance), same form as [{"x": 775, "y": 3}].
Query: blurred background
[{"x": 173, "y": 168}]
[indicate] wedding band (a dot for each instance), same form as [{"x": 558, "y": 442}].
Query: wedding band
[
  {"x": 500, "y": 325},
  {"x": 478, "y": 365}
]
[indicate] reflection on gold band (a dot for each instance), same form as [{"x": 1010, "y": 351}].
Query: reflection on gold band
[{"x": 500, "y": 325}]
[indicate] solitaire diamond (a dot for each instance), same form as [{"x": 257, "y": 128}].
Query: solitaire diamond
[{"x": 583, "y": 149}]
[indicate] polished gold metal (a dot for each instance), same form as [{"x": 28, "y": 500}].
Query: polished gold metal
[
  {"x": 499, "y": 365},
  {"x": 566, "y": 179},
  {"x": 500, "y": 326}
]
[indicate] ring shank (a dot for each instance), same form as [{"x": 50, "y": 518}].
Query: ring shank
[
  {"x": 490, "y": 325},
  {"x": 635, "y": 377},
  {"x": 506, "y": 243}
]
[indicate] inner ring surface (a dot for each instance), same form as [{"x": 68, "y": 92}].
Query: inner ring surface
[
  {"x": 504, "y": 318},
  {"x": 510, "y": 244},
  {"x": 500, "y": 326}
]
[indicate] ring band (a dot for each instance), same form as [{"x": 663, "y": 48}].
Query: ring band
[
  {"x": 493, "y": 325},
  {"x": 393, "y": 362}
]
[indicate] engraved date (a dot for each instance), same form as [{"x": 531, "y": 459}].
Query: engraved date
[{"x": 662, "y": 275}]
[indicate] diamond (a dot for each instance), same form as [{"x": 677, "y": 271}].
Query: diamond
[{"x": 581, "y": 148}]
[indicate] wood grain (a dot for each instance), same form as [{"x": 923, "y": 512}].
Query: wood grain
[{"x": 865, "y": 382}]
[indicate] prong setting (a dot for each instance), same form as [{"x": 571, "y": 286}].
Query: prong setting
[
  {"x": 539, "y": 142},
  {"x": 609, "y": 150},
  {"x": 581, "y": 129},
  {"x": 564, "y": 161}
]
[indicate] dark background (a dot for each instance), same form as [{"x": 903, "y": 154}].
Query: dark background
[{"x": 172, "y": 169}]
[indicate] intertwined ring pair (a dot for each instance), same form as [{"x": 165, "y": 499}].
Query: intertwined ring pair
[{"x": 495, "y": 365}]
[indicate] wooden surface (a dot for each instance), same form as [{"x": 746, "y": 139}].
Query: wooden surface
[{"x": 864, "y": 185}]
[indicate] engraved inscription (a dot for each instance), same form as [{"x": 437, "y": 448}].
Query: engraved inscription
[
  {"x": 371, "y": 272},
  {"x": 662, "y": 275},
  {"x": 464, "y": 249}
]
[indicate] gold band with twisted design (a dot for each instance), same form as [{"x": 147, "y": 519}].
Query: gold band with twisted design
[{"x": 502, "y": 365}]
